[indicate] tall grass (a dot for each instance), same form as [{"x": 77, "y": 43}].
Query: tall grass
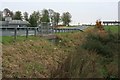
[
  {"x": 96, "y": 57},
  {"x": 74, "y": 55},
  {"x": 112, "y": 28}
]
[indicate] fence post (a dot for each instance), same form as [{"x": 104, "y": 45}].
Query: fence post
[
  {"x": 54, "y": 30},
  {"x": 26, "y": 32},
  {"x": 64, "y": 30},
  {"x": 15, "y": 33},
  {"x": 35, "y": 32}
]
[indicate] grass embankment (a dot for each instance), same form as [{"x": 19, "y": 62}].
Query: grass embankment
[
  {"x": 78, "y": 54},
  {"x": 96, "y": 57},
  {"x": 112, "y": 28},
  {"x": 9, "y": 39},
  {"x": 35, "y": 56},
  {"x": 30, "y": 58}
]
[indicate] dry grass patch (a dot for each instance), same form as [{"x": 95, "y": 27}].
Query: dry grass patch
[{"x": 30, "y": 58}]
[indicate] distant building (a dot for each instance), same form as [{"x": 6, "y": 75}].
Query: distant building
[
  {"x": 119, "y": 11},
  {"x": 13, "y": 23}
]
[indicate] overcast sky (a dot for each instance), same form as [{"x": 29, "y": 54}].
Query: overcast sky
[{"x": 82, "y": 11}]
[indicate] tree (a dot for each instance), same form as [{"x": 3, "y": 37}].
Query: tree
[
  {"x": 25, "y": 15},
  {"x": 12, "y": 14},
  {"x": 45, "y": 16},
  {"x": 51, "y": 13},
  {"x": 37, "y": 16},
  {"x": 56, "y": 17},
  {"x": 66, "y": 18},
  {"x": 1, "y": 15},
  {"x": 6, "y": 12},
  {"x": 17, "y": 15},
  {"x": 34, "y": 19}
]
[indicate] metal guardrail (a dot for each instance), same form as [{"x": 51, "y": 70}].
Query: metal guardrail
[
  {"x": 66, "y": 29},
  {"x": 33, "y": 28},
  {"x": 18, "y": 27},
  {"x": 36, "y": 30}
]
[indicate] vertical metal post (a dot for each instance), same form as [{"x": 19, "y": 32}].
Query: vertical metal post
[
  {"x": 35, "y": 32},
  {"x": 55, "y": 30},
  {"x": 52, "y": 30},
  {"x": 26, "y": 32},
  {"x": 15, "y": 33},
  {"x": 39, "y": 29},
  {"x": 59, "y": 30}
]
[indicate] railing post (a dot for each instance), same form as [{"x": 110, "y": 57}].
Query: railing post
[
  {"x": 55, "y": 30},
  {"x": 35, "y": 32},
  {"x": 26, "y": 32},
  {"x": 15, "y": 33}
]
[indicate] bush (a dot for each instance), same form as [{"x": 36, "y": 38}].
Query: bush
[
  {"x": 94, "y": 42},
  {"x": 87, "y": 62}
]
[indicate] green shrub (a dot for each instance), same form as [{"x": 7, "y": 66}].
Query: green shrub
[{"x": 100, "y": 44}]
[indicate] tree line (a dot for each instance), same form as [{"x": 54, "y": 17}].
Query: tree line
[{"x": 37, "y": 17}]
